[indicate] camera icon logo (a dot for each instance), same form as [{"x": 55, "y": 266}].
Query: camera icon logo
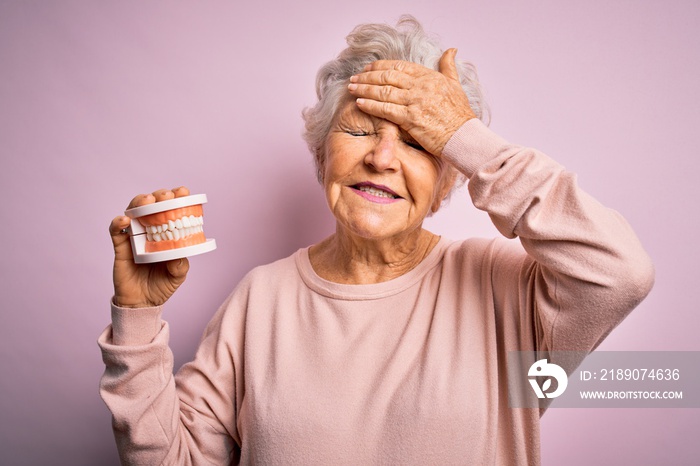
[{"x": 542, "y": 368}]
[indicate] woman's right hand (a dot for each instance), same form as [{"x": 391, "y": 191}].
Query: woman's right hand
[{"x": 144, "y": 285}]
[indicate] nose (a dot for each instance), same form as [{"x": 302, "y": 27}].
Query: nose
[{"x": 384, "y": 154}]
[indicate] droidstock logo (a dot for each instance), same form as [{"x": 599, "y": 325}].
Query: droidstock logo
[{"x": 542, "y": 368}]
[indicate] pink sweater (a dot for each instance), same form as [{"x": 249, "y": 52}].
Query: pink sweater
[{"x": 293, "y": 369}]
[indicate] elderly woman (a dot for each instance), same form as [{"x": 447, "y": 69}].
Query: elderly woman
[{"x": 383, "y": 343}]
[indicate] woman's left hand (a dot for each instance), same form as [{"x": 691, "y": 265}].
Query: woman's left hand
[{"x": 430, "y": 105}]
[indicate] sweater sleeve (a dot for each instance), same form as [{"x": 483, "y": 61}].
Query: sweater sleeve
[
  {"x": 158, "y": 418},
  {"x": 584, "y": 270}
]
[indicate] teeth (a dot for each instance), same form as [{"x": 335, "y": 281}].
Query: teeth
[
  {"x": 177, "y": 229},
  {"x": 375, "y": 192}
]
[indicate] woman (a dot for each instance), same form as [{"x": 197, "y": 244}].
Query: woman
[{"x": 383, "y": 343}]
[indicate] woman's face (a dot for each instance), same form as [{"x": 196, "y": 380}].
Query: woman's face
[{"x": 379, "y": 183}]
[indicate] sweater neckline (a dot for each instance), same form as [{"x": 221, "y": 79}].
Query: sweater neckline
[{"x": 371, "y": 291}]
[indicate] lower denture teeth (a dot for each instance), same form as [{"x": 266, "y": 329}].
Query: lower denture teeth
[
  {"x": 176, "y": 234},
  {"x": 169, "y": 235}
]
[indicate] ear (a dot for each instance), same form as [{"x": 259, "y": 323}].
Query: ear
[{"x": 447, "y": 181}]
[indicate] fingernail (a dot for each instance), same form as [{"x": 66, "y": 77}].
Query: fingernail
[
  {"x": 353, "y": 78},
  {"x": 368, "y": 67},
  {"x": 360, "y": 101},
  {"x": 352, "y": 86}
]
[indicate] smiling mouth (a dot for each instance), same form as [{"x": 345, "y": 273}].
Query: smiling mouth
[{"x": 376, "y": 190}]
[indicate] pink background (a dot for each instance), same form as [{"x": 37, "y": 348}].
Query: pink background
[{"x": 102, "y": 100}]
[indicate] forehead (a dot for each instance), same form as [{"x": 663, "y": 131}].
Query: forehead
[{"x": 348, "y": 111}]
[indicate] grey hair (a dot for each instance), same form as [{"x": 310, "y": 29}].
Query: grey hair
[{"x": 368, "y": 43}]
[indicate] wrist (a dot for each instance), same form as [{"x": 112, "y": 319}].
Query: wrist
[{"x": 130, "y": 304}]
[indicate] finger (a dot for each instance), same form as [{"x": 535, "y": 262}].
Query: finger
[
  {"x": 385, "y": 77},
  {"x": 141, "y": 199},
  {"x": 181, "y": 191},
  {"x": 163, "y": 195},
  {"x": 398, "y": 65},
  {"x": 120, "y": 239},
  {"x": 380, "y": 93},
  {"x": 178, "y": 268},
  {"x": 397, "y": 114},
  {"x": 447, "y": 65}
]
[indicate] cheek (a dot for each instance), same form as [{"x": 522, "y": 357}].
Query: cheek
[
  {"x": 339, "y": 165},
  {"x": 334, "y": 164},
  {"x": 424, "y": 183},
  {"x": 332, "y": 191},
  {"x": 332, "y": 175}
]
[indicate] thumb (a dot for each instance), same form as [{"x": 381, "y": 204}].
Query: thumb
[
  {"x": 447, "y": 65},
  {"x": 120, "y": 240}
]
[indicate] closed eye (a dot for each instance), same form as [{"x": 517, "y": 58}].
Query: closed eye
[
  {"x": 414, "y": 144},
  {"x": 357, "y": 133}
]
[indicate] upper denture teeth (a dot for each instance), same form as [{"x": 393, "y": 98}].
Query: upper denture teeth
[
  {"x": 375, "y": 192},
  {"x": 176, "y": 229}
]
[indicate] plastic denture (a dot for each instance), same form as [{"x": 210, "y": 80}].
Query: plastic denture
[{"x": 169, "y": 229}]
